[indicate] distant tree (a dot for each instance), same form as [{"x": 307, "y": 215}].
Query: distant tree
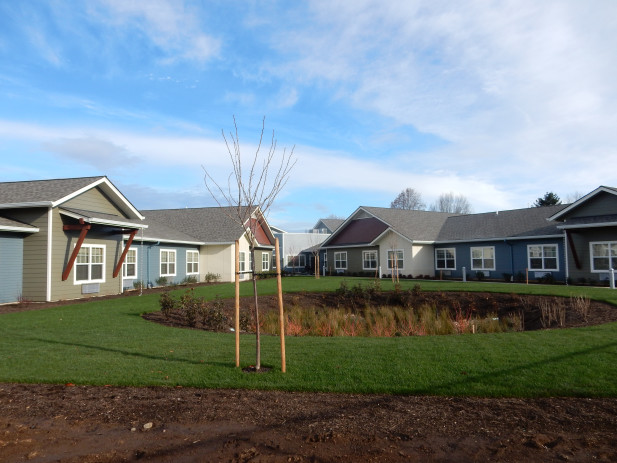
[
  {"x": 408, "y": 199},
  {"x": 549, "y": 199},
  {"x": 447, "y": 202},
  {"x": 574, "y": 196}
]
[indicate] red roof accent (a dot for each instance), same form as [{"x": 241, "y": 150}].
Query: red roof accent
[
  {"x": 260, "y": 233},
  {"x": 359, "y": 231}
]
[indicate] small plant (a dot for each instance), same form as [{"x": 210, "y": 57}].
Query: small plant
[
  {"x": 191, "y": 306},
  {"x": 161, "y": 281},
  {"x": 507, "y": 277},
  {"x": 138, "y": 285},
  {"x": 479, "y": 275},
  {"x": 167, "y": 303},
  {"x": 581, "y": 304},
  {"x": 189, "y": 279},
  {"x": 212, "y": 277},
  {"x": 552, "y": 311}
]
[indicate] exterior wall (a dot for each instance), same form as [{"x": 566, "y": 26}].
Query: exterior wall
[
  {"x": 354, "y": 259},
  {"x": 63, "y": 243},
  {"x": 218, "y": 259},
  {"x": 94, "y": 200},
  {"x": 511, "y": 257},
  {"x": 292, "y": 244},
  {"x": 34, "y": 286},
  {"x": 11, "y": 266},
  {"x": 601, "y": 204},
  {"x": 149, "y": 263},
  {"x": 581, "y": 239}
]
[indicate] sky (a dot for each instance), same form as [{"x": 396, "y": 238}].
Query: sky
[{"x": 499, "y": 101}]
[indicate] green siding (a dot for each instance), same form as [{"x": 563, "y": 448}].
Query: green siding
[{"x": 94, "y": 200}]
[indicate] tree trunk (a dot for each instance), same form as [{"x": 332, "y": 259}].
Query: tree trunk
[
  {"x": 317, "y": 272},
  {"x": 256, "y": 313}
]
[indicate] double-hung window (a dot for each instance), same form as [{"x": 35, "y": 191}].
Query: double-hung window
[
  {"x": 603, "y": 256},
  {"x": 265, "y": 262},
  {"x": 129, "y": 267},
  {"x": 395, "y": 259},
  {"x": 543, "y": 257},
  {"x": 340, "y": 260},
  {"x": 192, "y": 262},
  {"x": 369, "y": 260},
  {"x": 445, "y": 259},
  {"x": 168, "y": 263},
  {"x": 483, "y": 258},
  {"x": 242, "y": 260},
  {"x": 90, "y": 264}
]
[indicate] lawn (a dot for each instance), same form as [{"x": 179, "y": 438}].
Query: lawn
[{"x": 107, "y": 342}]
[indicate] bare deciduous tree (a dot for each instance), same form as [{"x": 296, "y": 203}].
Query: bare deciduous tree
[
  {"x": 408, "y": 199},
  {"x": 448, "y": 202},
  {"x": 250, "y": 193}
]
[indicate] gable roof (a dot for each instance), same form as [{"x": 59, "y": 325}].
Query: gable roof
[
  {"x": 515, "y": 223},
  {"x": 202, "y": 225},
  {"x": 576, "y": 204},
  {"x": 330, "y": 224},
  {"x": 52, "y": 193},
  {"x": 413, "y": 225}
]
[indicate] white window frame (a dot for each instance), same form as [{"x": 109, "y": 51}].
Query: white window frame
[
  {"x": 612, "y": 248},
  {"x": 482, "y": 257},
  {"x": 338, "y": 260},
  {"x": 298, "y": 261},
  {"x": 401, "y": 259},
  {"x": 126, "y": 263},
  {"x": 193, "y": 263},
  {"x": 365, "y": 260},
  {"x": 265, "y": 262},
  {"x": 445, "y": 259},
  {"x": 242, "y": 261},
  {"x": 543, "y": 257},
  {"x": 169, "y": 253},
  {"x": 89, "y": 264}
]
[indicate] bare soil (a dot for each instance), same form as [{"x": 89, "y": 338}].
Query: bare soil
[{"x": 67, "y": 423}]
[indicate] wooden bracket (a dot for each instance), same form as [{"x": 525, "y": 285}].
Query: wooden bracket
[
  {"x": 123, "y": 256},
  {"x": 82, "y": 236}
]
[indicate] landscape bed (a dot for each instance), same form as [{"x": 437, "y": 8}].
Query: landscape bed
[{"x": 462, "y": 397}]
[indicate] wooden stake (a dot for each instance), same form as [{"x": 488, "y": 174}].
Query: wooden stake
[
  {"x": 281, "y": 313},
  {"x": 237, "y": 321}
]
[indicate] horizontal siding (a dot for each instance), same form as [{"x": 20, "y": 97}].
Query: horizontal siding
[
  {"x": 94, "y": 200},
  {"x": 602, "y": 204},
  {"x": 11, "y": 266}
]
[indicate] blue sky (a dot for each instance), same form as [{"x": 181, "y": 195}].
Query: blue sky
[{"x": 498, "y": 101}]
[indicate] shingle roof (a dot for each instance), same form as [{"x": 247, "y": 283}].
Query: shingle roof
[
  {"x": 40, "y": 191},
  {"x": 502, "y": 224},
  {"x": 414, "y": 225},
  {"x": 203, "y": 224},
  {"x": 332, "y": 224}
]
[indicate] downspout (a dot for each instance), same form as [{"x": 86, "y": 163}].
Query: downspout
[
  {"x": 565, "y": 254},
  {"x": 49, "y": 254},
  {"x": 511, "y": 260}
]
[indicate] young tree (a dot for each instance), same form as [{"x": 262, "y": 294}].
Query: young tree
[
  {"x": 549, "y": 199},
  {"x": 408, "y": 199},
  {"x": 250, "y": 193},
  {"x": 447, "y": 202}
]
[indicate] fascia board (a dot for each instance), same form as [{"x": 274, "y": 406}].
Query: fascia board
[
  {"x": 23, "y": 205},
  {"x": 589, "y": 225},
  {"x": 393, "y": 231},
  {"x": 506, "y": 238},
  {"x": 110, "y": 187},
  {"x": 99, "y": 221},
  {"x": 165, "y": 240},
  {"x": 343, "y": 246},
  {"x": 7, "y": 228}
]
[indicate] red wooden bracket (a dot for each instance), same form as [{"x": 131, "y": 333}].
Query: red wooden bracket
[
  {"x": 84, "y": 230},
  {"x": 126, "y": 250}
]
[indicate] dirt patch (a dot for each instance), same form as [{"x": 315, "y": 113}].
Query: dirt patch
[
  {"x": 53, "y": 423},
  {"x": 70, "y": 424}
]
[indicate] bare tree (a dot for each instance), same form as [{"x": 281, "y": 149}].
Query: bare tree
[
  {"x": 447, "y": 202},
  {"x": 573, "y": 197},
  {"x": 408, "y": 199},
  {"x": 249, "y": 194}
]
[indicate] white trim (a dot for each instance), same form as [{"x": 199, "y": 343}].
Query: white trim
[
  {"x": 89, "y": 263},
  {"x": 266, "y": 261},
  {"x": 471, "y": 248},
  {"x": 187, "y": 261},
  {"x": 579, "y": 201},
  {"x": 587, "y": 225},
  {"x": 346, "y": 260},
  {"x": 506, "y": 238},
  {"x": 591, "y": 266},
  {"x": 543, "y": 269},
  {"x": 382, "y": 234},
  {"x": 162, "y": 240},
  {"x": 22, "y": 205},
  {"x": 373, "y": 251},
  {"x": 444, "y": 259},
  {"x": 99, "y": 221},
  {"x": 388, "y": 259},
  {"x": 7, "y": 228},
  {"x": 124, "y": 264},
  {"x": 49, "y": 243},
  {"x": 161, "y": 274}
]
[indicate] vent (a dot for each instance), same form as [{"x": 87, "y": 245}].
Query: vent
[{"x": 91, "y": 288}]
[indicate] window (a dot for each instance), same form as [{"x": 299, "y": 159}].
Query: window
[
  {"x": 483, "y": 258},
  {"x": 603, "y": 256},
  {"x": 398, "y": 255},
  {"x": 129, "y": 267},
  {"x": 369, "y": 260},
  {"x": 168, "y": 263},
  {"x": 445, "y": 259},
  {"x": 192, "y": 262},
  {"x": 340, "y": 260},
  {"x": 90, "y": 264},
  {"x": 296, "y": 261},
  {"x": 542, "y": 257},
  {"x": 265, "y": 262},
  {"x": 242, "y": 262}
]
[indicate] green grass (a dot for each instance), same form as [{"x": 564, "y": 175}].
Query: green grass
[{"x": 107, "y": 342}]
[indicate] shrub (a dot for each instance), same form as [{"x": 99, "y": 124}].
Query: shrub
[
  {"x": 191, "y": 306},
  {"x": 161, "y": 281},
  {"x": 480, "y": 276},
  {"x": 189, "y": 279},
  {"x": 507, "y": 277},
  {"x": 138, "y": 284},
  {"x": 212, "y": 277},
  {"x": 167, "y": 304},
  {"x": 581, "y": 305}
]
